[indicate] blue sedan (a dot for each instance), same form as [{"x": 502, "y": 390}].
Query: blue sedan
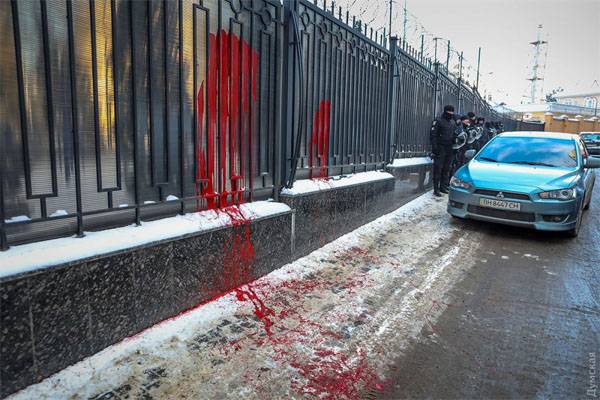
[{"x": 539, "y": 180}]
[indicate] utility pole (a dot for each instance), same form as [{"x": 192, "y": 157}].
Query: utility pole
[
  {"x": 460, "y": 68},
  {"x": 404, "y": 25},
  {"x": 448, "y": 56},
  {"x": 435, "y": 40},
  {"x": 478, "y": 65},
  {"x": 460, "y": 81},
  {"x": 391, "y": 7},
  {"x": 535, "y": 73}
]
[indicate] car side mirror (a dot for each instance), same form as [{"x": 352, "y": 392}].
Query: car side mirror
[
  {"x": 469, "y": 154},
  {"x": 591, "y": 162}
]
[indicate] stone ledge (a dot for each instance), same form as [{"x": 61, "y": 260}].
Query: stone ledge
[{"x": 31, "y": 258}]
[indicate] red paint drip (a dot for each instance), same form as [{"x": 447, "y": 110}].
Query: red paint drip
[
  {"x": 261, "y": 311},
  {"x": 319, "y": 145},
  {"x": 232, "y": 90}
]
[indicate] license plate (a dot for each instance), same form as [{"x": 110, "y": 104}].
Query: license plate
[{"x": 500, "y": 204}]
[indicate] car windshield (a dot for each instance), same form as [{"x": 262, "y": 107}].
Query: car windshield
[
  {"x": 588, "y": 137},
  {"x": 540, "y": 151}
]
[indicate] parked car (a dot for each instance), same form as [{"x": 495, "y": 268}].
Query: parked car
[
  {"x": 539, "y": 180},
  {"x": 592, "y": 141}
]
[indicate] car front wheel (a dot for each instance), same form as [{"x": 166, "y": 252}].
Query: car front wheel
[{"x": 573, "y": 233}]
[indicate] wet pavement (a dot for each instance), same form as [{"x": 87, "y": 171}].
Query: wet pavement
[{"x": 523, "y": 323}]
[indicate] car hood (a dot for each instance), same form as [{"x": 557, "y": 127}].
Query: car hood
[{"x": 521, "y": 178}]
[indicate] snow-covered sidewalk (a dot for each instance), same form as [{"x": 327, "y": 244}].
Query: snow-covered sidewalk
[{"x": 327, "y": 325}]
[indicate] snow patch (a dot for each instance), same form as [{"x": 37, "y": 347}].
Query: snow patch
[
  {"x": 18, "y": 218},
  {"x": 59, "y": 213},
  {"x": 408, "y": 162},
  {"x": 172, "y": 198},
  {"x": 304, "y": 186},
  {"x": 29, "y": 257}
]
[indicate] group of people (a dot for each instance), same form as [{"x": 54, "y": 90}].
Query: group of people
[{"x": 451, "y": 136}]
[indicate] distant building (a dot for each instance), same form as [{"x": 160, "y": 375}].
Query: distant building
[
  {"x": 537, "y": 112},
  {"x": 589, "y": 98}
]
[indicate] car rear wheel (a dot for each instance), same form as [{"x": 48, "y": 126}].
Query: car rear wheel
[{"x": 587, "y": 205}]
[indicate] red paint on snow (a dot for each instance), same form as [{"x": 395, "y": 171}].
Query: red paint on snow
[{"x": 332, "y": 375}]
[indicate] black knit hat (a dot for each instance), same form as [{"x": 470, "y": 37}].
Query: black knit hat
[{"x": 448, "y": 108}]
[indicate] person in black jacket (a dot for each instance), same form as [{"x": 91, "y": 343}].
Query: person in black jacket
[
  {"x": 460, "y": 142},
  {"x": 485, "y": 135},
  {"x": 441, "y": 137}
]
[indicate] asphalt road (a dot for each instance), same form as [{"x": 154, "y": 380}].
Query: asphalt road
[{"x": 523, "y": 323}]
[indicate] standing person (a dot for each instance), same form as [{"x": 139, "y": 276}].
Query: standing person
[
  {"x": 441, "y": 138},
  {"x": 460, "y": 142},
  {"x": 471, "y": 116},
  {"x": 485, "y": 132}
]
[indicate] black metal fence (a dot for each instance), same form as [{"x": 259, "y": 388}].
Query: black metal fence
[
  {"x": 114, "y": 111},
  {"x": 337, "y": 94}
]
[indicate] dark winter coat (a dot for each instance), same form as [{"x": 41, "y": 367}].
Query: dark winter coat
[{"x": 442, "y": 133}]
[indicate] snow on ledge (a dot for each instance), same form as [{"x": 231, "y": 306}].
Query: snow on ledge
[
  {"x": 304, "y": 186},
  {"x": 409, "y": 162},
  {"x": 29, "y": 257}
]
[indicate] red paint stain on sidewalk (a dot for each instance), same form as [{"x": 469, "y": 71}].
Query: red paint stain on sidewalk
[{"x": 332, "y": 375}]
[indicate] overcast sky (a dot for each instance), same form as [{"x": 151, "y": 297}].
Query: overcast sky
[{"x": 504, "y": 28}]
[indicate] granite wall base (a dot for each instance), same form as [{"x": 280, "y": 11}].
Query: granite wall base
[
  {"x": 323, "y": 216},
  {"x": 57, "y": 316}
]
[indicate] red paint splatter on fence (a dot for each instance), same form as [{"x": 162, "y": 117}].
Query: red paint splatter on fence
[
  {"x": 319, "y": 144},
  {"x": 231, "y": 92}
]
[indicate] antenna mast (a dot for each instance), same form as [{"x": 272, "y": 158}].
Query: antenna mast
[{"x": 536, "y": 73}]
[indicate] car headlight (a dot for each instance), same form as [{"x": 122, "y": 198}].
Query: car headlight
[
  {"x": 562, "y": 194},
  {"x": 458, "y": 183}
]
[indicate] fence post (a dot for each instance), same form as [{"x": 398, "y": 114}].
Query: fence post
[
  {"x": 281, "y": 72},
  {"x": 3, "y": 240},
  {"x": 436, "y": 71},
  {"x": 391, "y": 136},
  {"x": 287, "y": 93}
]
